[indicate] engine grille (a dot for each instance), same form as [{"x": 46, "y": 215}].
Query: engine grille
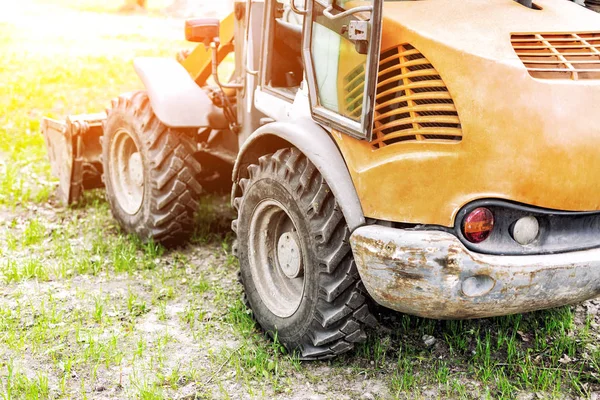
[
  {"x": 573, "y": 56},
  {"x": 354, "y": 87},
  {"x": 412, "y": 102},
  {"x": 593, "y": 5}
]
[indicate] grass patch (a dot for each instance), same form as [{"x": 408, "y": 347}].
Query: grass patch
[{"x": 543, "y": 352}]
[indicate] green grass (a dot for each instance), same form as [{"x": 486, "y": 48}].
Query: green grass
[
  {"x": 56, "y": 73},
  {"x": 19, "y": 385},
  {"x": 87, "y": 311},
  {"x": 542, "y": 352}
]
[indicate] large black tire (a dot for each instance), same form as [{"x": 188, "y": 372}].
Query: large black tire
[
  {"x": 332, "y": 311},
  {"x": 168, "y": 196}
]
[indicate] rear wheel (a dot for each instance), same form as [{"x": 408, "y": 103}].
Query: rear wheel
[
  {"x": 297, "y": 268},
  {"x": 150, "y": 172}
]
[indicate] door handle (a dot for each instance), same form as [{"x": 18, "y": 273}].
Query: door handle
[{"x": 297, "y": 10}]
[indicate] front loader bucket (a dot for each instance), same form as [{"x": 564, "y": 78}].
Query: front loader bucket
[{"x": 74, "y": 150}]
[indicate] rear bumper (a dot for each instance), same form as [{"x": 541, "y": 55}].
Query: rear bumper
[{"x": 431, "y": 274}]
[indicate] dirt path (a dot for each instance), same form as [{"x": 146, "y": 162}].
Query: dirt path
[{"x": 131, "y": 324}]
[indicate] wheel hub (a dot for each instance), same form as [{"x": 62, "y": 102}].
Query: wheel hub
[
  {"x": 126, "y": 172},
  {"x": 136, "y": 169},
  {"x": 288, "y": 255},
  {"x": 276, "y": 258}
]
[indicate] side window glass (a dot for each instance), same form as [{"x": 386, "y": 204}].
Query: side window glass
[
  {"x": 339, "y": 69},
  {"x": 342, "y": 53}
]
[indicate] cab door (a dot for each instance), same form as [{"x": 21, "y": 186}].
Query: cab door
[{"x": 341, "y": 47}]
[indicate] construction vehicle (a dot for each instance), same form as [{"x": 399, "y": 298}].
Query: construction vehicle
[{"x": 435, "y": 156}]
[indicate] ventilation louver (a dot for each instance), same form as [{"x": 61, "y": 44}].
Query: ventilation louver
[
  {"x": 593, "y": 5},
  {"x": 412, "y": 102},
  {"x": 354, "y": 87},
  {"x": 573, "y": 56}
]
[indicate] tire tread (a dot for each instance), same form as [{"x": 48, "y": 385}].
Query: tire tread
[
  {"x": 173, "y": 173},
  {"x": 342, "y": 312}
]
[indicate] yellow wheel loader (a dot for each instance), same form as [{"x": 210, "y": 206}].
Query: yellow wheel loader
[{"x": 437, "y": 156}]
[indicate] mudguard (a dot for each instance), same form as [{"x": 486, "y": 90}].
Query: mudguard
[
  {"x": 316, "y": 144},
  {"x": 176, "y": 99}
]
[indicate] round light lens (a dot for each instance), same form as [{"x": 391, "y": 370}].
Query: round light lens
[
  {"x": 526, "y": 230},
  {"x": 478, "y": 225}
]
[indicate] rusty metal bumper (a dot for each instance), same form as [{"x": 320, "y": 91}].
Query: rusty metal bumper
[{"x": 431, "y": 274}]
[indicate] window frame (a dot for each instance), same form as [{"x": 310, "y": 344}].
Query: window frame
[
  {"x": 332, "y": 119},
  {"x": 267, "y": 55}
]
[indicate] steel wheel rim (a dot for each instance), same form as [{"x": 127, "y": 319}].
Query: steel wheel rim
[
  {"x": 279, "y": 290},
  {"x": 126, "y": 172}
]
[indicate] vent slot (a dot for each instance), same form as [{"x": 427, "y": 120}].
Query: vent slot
[
  {"x": 593, "y": 5},
  {"x": 574, "y": 56},
  {"x": 412, "y": 102},
  {"x": 354, "y": 88}
]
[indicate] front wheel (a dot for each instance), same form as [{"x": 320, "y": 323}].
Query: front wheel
[
  {"x": 297, "y": 268},
  {"x": 150, "y": 172}
]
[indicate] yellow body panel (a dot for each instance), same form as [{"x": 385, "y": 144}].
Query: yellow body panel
[
  {"x": 199, "y": 62},
  {"x": 527, "y": 140}
]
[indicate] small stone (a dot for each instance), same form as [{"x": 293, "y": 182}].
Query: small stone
[
  {"x": 100, "y": 388},
  {"x": 429, "y": 340},
  {"x": 525, "y": 396},
  {"x": 367, "y": 396},
  {"x": 565, "y": 359}
]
